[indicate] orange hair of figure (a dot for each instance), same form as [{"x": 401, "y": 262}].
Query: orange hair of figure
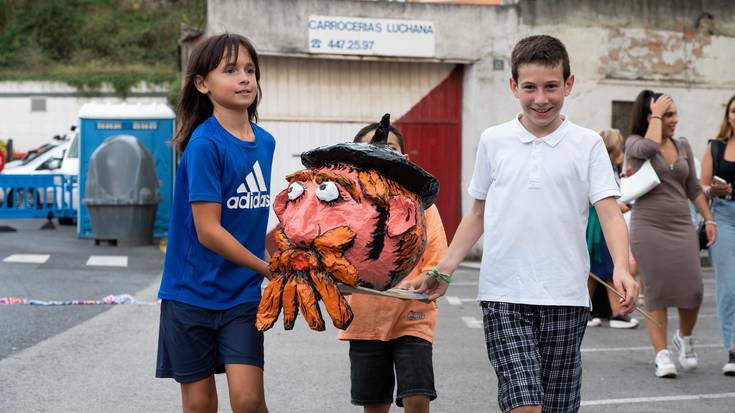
[{"x": 380, "y": 190}]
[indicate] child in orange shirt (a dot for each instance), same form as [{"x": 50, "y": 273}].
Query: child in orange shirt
[{"x": 389, "y": 333}]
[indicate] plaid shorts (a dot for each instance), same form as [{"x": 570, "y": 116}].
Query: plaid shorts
[{"x": 534, "y": 350}]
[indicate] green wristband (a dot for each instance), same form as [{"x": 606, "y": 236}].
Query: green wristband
[{"x": 435, "y": 273}]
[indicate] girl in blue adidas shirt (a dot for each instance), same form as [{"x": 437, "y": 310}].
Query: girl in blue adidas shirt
[{"x": 216, "y": 258}]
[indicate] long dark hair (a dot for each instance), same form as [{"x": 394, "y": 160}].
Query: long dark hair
[
  {"x": 726, "y": 131},
  {"x": 641, "y": 110},
  {"x": 193, "y": 107}
]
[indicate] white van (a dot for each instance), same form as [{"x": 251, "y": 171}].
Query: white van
[{"x": 61, "y": 156}]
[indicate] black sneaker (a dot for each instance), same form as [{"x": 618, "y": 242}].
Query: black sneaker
[{"x": 729, "y": 368}]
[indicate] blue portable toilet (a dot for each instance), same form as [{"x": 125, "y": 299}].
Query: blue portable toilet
[{"x": 153, "y": 125}]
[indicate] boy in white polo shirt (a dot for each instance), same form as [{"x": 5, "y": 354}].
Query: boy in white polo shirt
[{"x": 532, "y": 182}]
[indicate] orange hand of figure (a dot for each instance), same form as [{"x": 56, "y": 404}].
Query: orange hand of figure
[{"x": 301, "y": 279}]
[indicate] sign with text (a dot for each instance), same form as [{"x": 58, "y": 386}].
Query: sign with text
[{"x": 379, "y": 37}]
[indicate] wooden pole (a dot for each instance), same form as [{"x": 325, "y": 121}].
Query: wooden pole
[{"x": 611, "y": 288}]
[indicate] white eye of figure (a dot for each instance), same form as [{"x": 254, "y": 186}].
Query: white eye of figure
[
  {"x": 327, "y": 191},
  {"x": 295, "y": 190}
]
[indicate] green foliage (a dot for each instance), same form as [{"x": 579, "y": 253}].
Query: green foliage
[{"x": 89, "y": 43}]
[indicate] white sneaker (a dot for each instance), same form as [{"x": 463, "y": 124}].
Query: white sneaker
[
  {"x": 685, "y": 347},
  {"x": 594, "y": 322},
  {"x": 664, "y": 366},
  {"x": 623, "y": 321},
  {"x": 729, "y": 368}
]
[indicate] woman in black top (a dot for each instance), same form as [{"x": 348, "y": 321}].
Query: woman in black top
[{"x": 722, "y": 252}]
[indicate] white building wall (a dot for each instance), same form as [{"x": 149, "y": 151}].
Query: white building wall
[
  {"x": 605, "y": 63},
  {"x": 608, "y": 63},
  {"x": 30, "y": 129},
  {"x": 616, "y": 50}
]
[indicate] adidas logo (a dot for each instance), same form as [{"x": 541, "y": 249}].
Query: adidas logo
[{"x": 252, "y": 193}]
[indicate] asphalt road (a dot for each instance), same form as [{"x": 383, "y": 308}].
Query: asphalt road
[
  {"x": 93, "y": 358},
  {"x": 65, "y": 275}
]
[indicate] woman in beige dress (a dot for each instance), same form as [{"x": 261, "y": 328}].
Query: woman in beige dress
[{"x": 663, "y": 238}]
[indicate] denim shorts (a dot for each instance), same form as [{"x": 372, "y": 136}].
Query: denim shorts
[
  {"x": 195, "y": 343},
  {"x": 372, "y": 364},
  {"x": 535, "y": 351}
]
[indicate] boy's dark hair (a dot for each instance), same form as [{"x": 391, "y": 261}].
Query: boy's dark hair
[
  {"x": 541, "y": 49},
  {"x": 641, "y": 110},
  {"x": 373, "y": 126},
  {"x": 193, "y": 107}
]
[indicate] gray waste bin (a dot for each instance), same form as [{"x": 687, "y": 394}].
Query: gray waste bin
[{"x": 122, "y": 192}]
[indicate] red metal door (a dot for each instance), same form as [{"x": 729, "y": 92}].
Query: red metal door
[{"x": 433, "y": 136}]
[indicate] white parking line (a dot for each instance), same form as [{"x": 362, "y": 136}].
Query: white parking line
[
  {"x": 464, "y": 283},
  {"x": 453, "y": 300},
  {"x": 472, "y": 322},
  {"x": 108, "y": 260},
  {"x": 27, "y": 258},
  {"x": 698, "y": 316},
  {"x": 658, "y": 399},
  {"x": 473, "y": 265},
  {"x": 642, "y": 348}
]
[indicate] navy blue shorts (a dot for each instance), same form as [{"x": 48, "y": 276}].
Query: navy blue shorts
[
  {"x": 195, "y": 343},
  {"x": 371, "y": 370}
]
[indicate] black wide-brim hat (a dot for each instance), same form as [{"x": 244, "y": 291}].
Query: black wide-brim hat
[{"x": 378, "y": 157}]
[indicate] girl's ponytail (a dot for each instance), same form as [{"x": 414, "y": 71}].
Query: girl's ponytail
[{"x": 641, "y": 110}]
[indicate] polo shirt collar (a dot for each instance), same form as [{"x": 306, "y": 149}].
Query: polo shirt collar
[{"x": 552, "y": 139}]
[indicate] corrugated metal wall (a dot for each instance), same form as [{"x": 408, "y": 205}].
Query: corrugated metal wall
[
  {"x": 313, "y": 102},
  {"x": 343, "y": 90}
]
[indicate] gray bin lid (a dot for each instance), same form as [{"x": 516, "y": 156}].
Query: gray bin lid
[{"x": 121, "y": 172}]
